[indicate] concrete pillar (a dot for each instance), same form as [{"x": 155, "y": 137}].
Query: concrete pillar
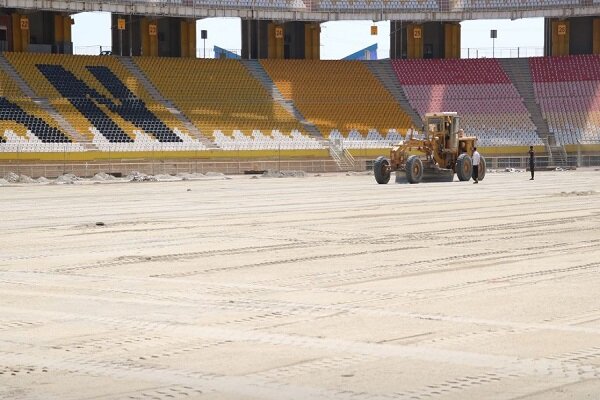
[
  {"x": 596, "y": 36},
  {"x": 191, "y": 38},
  {"x": 256, "y": 36},
  {"x": 556, "y": 37},
  {"x": 560, "y": 37},
  {"x": 312, "y": 41},
  {"x": 62, "y": 33},
  {"x": 185, "y": 48},
  {"x": 451, "y": 40},
  {"x": 67, "y": 26},
  {"x": 414, "y": 41},
  {"x": 144, "y": 37},
  {"x": 276, "y": 34},
  {"x": 21, "y": 32},
  {"x": 59, "y": 27},
  {"x": 153, "y": 37}
]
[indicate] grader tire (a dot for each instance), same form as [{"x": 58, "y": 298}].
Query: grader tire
[
  {"x": 482, "y": 169},
  {"x": 381, "y": 170},
  {"x": 464, "y": 167},
  {"x": 414, "y": 169}
]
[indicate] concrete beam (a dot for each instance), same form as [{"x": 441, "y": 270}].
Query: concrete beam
[{"x": 198, "y": 12}]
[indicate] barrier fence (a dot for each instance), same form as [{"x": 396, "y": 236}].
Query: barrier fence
[
  {"x": 162, "y": 167},
  {"x": 237, "y": 167}
]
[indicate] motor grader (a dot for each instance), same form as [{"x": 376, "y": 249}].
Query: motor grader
[{"x": 436, "y": 154}]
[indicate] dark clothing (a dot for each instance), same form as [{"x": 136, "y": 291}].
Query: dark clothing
[
  {"x": 532, "y": 162},
  {"x": 475, "y": 172}
]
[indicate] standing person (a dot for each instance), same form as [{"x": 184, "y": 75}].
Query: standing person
[
  {"x": 476, "y": 159},
  {"x": 531, "y": 161}
]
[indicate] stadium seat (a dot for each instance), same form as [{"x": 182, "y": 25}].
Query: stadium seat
[
  {"x": 220, "y": 95},
  {"x": 568, "y": 91},
  {"x": 341, "y": 95},
  {"x": 490, "y": 106},
  {"x": 96, "y": 92}
]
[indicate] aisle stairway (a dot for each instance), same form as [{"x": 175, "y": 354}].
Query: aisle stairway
[
  {"x": 518, "y": 71},
  {"x": 158, "y": 97},
  {"x": 259, "y": 73},
  {"x": 383, "y": 70}
]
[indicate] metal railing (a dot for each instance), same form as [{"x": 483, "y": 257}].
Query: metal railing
[
  {"x": 501, "y": 52},
  {"x": 162, "y": 167}
]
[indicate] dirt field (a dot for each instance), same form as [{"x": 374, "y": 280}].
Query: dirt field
[{"x": 328, "y": 287}]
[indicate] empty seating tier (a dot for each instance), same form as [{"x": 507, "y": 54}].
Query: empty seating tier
[
  {"x": 360, "y": 5},
  {"x": 96, "y": 92},
  {"x": 512, "y": 4},
  {"x": 11, "y": 112},
  {"x": 20, "y": 114},
  {"x": 479, "y": 90},
  {"x": 341, "y": 95},
  {"x": 568, "y": 91},
  {"x": 217, "y": 95}
]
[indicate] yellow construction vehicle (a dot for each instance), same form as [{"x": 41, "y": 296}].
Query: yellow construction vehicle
[{"x": 435, "y": 154}]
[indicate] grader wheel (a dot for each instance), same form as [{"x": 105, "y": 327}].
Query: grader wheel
[
  {"x": 381, "y": 170},
  {"x": 482, "y": 169},
  {"x": 414, "y": 169},
  {"x": 464, "y": 167}
]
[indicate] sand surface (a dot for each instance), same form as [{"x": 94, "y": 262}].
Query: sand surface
[{"x": 329, "y": 287}]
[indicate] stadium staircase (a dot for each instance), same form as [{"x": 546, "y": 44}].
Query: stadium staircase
[
  {"x": 343, "y": 159},
  {"x": 518, "y": 71},
  {"x": 383, "y": 71},
  {"x": 44, "y": 104},
  {"x": 557, "y": 153},
  {"x": 259, "y": 73},
  {"x": 130, "y": 65}
]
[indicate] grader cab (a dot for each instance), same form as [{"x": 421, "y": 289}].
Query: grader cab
[{"x": 435, "y": 154}]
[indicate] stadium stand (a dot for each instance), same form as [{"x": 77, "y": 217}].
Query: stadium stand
[
  {"x": 218, "y": 95},
  {"x": 478, "y": 89},
  {"x": 145, "y": 142},
  {"x": 24, "y": 126},
  {"x": 297, "y": 5},
  {"x": 340, "y": 95},
  {"x": 568, "y": 91},
  {"x": 96, "y": 92},
  {"x": 512, "y": 4},
  {"x": 373, "y": 139},
  {"x": 416, "y": 5},
  {"x": 258, "y": 141}
]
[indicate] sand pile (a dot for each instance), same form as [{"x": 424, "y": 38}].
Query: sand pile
[
  {"x": 11, "y": 177},
  {"x": 26, "y": 179},
  {"x": 361, "y": 173},
  {"x": 221, "y": 175},
  {"x": 42, "y": 179},
  {"x": 66, "y": 179},
  {"x": 190, "y": 177},
  {"x": 102, "y": 177},
  {"x": 166, "y": 178},
  {"x": 283, "y": 174},
  {"x": 136, "y": 176}
]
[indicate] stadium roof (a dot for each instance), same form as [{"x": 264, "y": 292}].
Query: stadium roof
[{"x": 327, "y": 10}]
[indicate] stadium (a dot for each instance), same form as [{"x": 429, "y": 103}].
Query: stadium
[{"x": 148, "y": 253}]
